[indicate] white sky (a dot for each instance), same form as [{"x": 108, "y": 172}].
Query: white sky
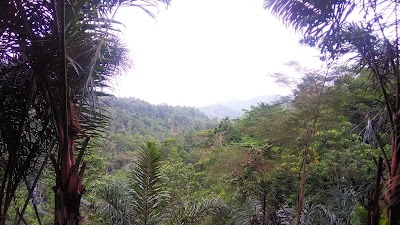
[{"x": 199, "y": 52}]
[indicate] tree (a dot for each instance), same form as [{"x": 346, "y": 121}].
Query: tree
[
  {"x": 226, "y": 133},
  {"x": 142, "y": 200},
  {"x": 340, "y": 168},
  {"x": 55, "y": 57}
]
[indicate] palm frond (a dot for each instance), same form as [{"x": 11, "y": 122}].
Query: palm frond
[
  {"x": 312, "y": 15},
  {"x": 338, "y": 212},
  {"x": 246, "y": 212},
  {"x": 197, "y": 212},
  {"x": 317, "y": 20},
  {"x": 117, "y": 204},
  {"x": 147, "y": 184}
]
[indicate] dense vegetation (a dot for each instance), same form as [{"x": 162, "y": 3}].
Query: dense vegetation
[
  {"x": 137, "y": 116},
  {"x": 327, "y": 154},
  {"x": 242, "y": 171},
  {"x": 133, "y": 120},
  {"x": 248, "y": 168}
]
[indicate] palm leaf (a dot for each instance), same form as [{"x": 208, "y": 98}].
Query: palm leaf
[
  {"x": 197, "y": 212},
  {"x": 147, "y": 185},
  {"x": 117, "y": 204},
  {"x": 318, "y": 20},
  {"x": 246, "y": 212},
  {"x": 142, "y": 199}
]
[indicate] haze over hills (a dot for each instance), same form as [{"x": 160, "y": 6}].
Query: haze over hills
[
  {"x": 234, "y": 108},
  {"x": 220, "y": 112}
]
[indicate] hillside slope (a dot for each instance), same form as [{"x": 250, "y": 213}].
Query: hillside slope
[{"x": 131, "y": 115}]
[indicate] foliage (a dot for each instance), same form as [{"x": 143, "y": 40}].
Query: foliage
[
  {"x": 372, "y": 37},
  {"x": 132, "y": 116},
  {"x": 213, "y": 211},
  {"x": 242, "y": 171},
  {"x": 142, "y": 199},
  {"x": 249, "y": 166}
]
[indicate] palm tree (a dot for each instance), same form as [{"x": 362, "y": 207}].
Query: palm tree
[
  {"x": 141, "y": 200},
  {"x": 326, "y": 24},
  {"x": 55, "y": 56}
]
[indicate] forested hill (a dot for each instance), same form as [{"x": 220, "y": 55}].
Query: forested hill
[{"x": 135, "y": 116}]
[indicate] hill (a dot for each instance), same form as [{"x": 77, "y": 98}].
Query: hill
[
  {"x": 135, "y": 116},
  {"x": 220, "y": 112},
  {"x": 239, "y": 105},
  {"x": 234, "y": 108}
]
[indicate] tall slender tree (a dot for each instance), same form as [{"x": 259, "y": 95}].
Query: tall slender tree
[{"x": 54, "y": 58}]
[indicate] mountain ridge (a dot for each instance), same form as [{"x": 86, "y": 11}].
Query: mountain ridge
[{"x": 234, "y": 108}]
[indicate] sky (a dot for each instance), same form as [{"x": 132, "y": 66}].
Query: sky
[{"x": 201, "y": 52}]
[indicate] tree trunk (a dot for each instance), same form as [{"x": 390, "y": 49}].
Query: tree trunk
[
  {"x": 69, "y": 189},
  {"x": 393, "y": 209},
  {"x": 393, "y": 188},
  {"x": 374, "y": 212},
  {"x": 303, "y": 177},
  {"x": 264, "y": 205}
]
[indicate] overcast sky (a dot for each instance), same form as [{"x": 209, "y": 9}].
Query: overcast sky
[{"x": 200, "y": 52}]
